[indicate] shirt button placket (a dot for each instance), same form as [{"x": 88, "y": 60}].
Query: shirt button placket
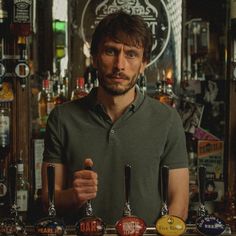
[{"x": 111, "y": 134}]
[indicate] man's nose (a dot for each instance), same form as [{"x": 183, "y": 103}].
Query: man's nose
[{"x": 120, "y": 61}]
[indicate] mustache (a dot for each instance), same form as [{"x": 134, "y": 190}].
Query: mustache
[{"x": 118, "y": 74}]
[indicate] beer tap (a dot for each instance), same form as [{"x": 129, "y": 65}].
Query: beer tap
[
  {"x": 12, "y": 225},
  {"x": 50, "y": 225},
  {"x": 90, "y": 225},
  {"x": 129, "y": 224}
]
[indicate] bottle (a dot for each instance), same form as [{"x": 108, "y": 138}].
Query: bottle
[
  {"x": 164, "y": 93},
  {"x": 79, "y": 91},
  {"x": 143, "y": 84},
  {"x": 42, "y": 107},
  {"x": 89, "y": 84},
  {"x": 21, "y": 17},
  {"x": 60, "y": 98},
  {"x": 66, "y": 82},
  {"x": 50, "y": 97},
  {"x": 22, "y": 190},
  {"x": 4, "y": 132}
]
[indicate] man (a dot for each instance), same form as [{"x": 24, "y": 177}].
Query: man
[{"x": 113, "y": 126}]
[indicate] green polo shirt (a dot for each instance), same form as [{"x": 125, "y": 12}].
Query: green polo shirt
[{"x": 149, "y": 134}]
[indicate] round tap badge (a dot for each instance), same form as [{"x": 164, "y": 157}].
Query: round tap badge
[
  {"x": 169, "y": 225},
  {"x": 154, "y": 13}
]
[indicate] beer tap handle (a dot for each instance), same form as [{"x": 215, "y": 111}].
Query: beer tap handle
[
  {"x": 202, "y": 183},
  {"x": 88, "y": 208},
  {"x": 51, "y": 190},
  {"x": 12, "y": 189},
  {"x": 164, "y": 188},
  {"x": 127, "y": 208}
]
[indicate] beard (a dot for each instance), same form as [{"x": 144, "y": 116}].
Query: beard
[{"x": 114, "y": 88}]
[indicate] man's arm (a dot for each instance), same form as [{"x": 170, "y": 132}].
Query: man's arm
[
  {"x": 84, "y": 187},
  {"x": 178, "y": 194}
]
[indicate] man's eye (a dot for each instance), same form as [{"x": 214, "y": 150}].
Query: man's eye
[
  {"x": 110, "y": 51},
  {"x": 131, "y": 54}
]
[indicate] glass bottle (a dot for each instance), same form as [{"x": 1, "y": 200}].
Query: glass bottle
[
  {"x": 21, "y": 17},
  {"x": 4, "y": 132},
  {"x": 79, "y": 91},
  {"x": 60, "y": 98},
  {"x": 89, "y": 84},
  {"x": 50, "y": 97},
  {"x": 22, "y": 190},
  {"x": 143, "y": 84},
  {"x": 42, "y": 106},
  {"x": 163, "y": 93}
]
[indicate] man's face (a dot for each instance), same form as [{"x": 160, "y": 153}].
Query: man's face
[{"x": 119, "y": 66}]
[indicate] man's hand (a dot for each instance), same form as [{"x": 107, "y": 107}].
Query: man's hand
[{"x": 85, "y": 183}]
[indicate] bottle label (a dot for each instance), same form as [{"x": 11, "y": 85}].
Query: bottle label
[
  {"x": 22, "y": 200},
  {"x": 20, "y": 168},
  {"x": 4, "y": 130},
  {"x": 22, "y": 11}
]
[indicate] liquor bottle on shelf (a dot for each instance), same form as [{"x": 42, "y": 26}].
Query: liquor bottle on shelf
[
  {"x": 4, "y": 132},
  {"x": 79, "y": 91},
  {"x": 143, "y": 84},
  {"x": 89, "y": 83},
  {"x": 164, "y": 92},
  {"x": 66, "y": 82},
  {"x": 50, "y": 97},
  {"x": 42, "y": 107},
  {"x": 21, "y": 17},
  {"x": 60, "y": 98},
  {"x": 22, "y": 190},
  {"x": 95, "y": 82}
]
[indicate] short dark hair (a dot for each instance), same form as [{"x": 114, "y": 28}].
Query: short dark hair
[{"x": 125, "y": 28}]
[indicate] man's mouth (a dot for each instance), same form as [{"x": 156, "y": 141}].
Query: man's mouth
[{"x": 118, "y": 76}]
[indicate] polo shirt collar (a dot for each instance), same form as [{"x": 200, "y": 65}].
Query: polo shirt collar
[{"x": 94, "y": 105}]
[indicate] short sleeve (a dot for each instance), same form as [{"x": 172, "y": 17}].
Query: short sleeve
[
  {"x": 175, "y": 152},
  {"x": 53, "y": 148}
]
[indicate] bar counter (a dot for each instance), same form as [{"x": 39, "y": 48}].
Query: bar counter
[{"x": 150, "y": 231}]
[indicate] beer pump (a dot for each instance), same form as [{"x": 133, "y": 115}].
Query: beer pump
[
  {"x": 12, "y": 225},
  {"x": 90, "y": 225},
  {"x": 168, "y": 225},
  {"x": 129, "y": 224},
  {"x": 50, "y": 224}
]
